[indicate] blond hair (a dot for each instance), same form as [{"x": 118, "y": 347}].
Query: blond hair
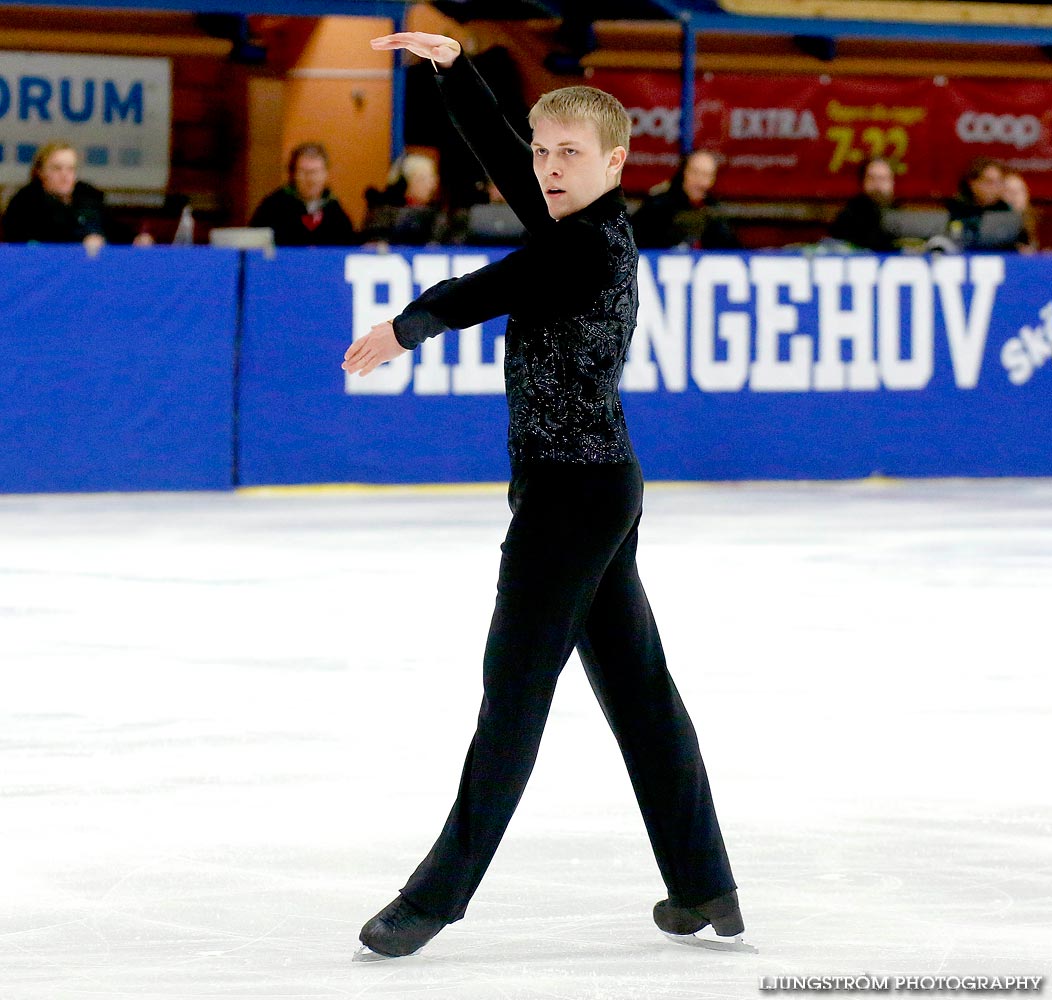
[
  {"x": 573, "y": 104},
  {"x": 44, "y": 153},
  {"x": 411, "y": 165}
]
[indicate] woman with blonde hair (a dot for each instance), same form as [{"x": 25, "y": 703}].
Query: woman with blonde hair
[
  {"x": 55, "y": 207},
  {"x": 408, "y": 210}
]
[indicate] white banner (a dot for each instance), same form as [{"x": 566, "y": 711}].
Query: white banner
[{"x": 115, "y": 111}]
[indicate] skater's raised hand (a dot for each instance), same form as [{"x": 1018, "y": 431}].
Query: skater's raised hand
[
  {"x": 372, "y": 350},
  {"x": 440, "y": 49}
]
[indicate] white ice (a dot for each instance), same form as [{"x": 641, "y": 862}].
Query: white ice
[{"x": 230, "y": 726}]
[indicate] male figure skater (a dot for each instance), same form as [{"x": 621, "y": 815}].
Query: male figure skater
[{"x": 568, "y": 571}]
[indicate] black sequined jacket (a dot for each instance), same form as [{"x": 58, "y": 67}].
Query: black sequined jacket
[{"x": 570, "y": 295}]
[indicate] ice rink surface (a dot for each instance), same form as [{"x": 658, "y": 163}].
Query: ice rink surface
[{"x": 231, "y": 725}]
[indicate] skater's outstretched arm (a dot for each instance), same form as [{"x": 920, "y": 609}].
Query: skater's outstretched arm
[
  {"x": 552, "y": 277},
  {"x": 505, "y": 156},
  {"x": 562, "y": 268}
]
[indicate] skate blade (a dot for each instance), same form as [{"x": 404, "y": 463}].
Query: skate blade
[
  {"x": 366, "y": 954},
  {"x": 714, "y": 943}
]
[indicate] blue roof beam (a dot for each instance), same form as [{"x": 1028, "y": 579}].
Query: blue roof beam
[{"x": 306, "y": 8}]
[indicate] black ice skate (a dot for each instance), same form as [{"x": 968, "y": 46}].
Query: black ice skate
[
  {"x": 399, "y": 929},
  {"x": 721, "y": 914}
]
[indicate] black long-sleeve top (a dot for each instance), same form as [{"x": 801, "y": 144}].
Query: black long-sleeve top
[
  {"x": 670, "y": 219},
  {"x": 34, "y": 216},
  {"x": 570, "y": 294},
  {"x": 861, "y": 223}
]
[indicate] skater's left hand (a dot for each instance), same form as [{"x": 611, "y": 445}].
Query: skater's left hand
[
  {"x": 368, "y": 352},
  {"x": 441, "y": 49}
]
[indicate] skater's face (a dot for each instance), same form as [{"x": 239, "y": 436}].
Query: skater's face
[{"x": 571, "y": 166}]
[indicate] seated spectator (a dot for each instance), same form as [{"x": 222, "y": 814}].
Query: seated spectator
[
  {"x": 305, "y": 213},
  {"x": 408, "y": 211},
  {"x": 683, "y": 213},
  {"x": 860, "y": 221},
  {"x": 56, "y": 207},
  {"x": 976, "y": 220},
  {"x": 1017, "y": 195}
]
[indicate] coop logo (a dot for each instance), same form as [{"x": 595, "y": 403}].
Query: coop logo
[
  {"x": 773, "y": 123},
  {"x": 658, "y": 123},
  {"x": 725, "y": 323},
  {"x": 1021, "y": 131},
  {"x": 1024, "y": 354}
]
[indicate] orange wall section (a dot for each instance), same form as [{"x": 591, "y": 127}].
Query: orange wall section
[
  {"x": 337, "y": 91},
  {"x": 333, "y": 89}
]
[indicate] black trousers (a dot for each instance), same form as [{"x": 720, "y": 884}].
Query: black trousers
[{"x": 568, "y": 578}]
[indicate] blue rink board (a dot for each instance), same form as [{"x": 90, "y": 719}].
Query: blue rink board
[
  {"x": 956, "y": 388},
  {"x": 120, "y": 372},
  {"x": 298, "y": 424},
  {"x": 116, "y": 372}
]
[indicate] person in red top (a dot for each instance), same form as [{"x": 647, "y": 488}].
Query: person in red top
[{"x": 304, "y": 212}]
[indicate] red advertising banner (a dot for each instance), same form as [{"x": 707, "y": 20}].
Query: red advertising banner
[
  {"x": 652, "y": 100},
  {"x": 798, "y": 136},
  {"x": 806, "y": 136},
  {"x": 1010, "y": 120}
]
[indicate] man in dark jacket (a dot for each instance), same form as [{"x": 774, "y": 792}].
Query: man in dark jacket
[
  {"x": 860, "y": 221},
  {"x": 568, "y": 573},
  {"x": 684, "y": 214},
  {"x": 304, "y": 212}
]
